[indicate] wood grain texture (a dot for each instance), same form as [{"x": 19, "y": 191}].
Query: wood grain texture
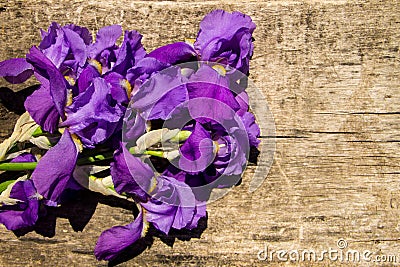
[{"x": 330, "y": 74}]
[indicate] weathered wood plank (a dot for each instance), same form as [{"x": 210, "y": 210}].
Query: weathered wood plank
[{"x": 330, "y": 74}]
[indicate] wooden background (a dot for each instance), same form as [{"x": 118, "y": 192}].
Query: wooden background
[{"x": 329, "y": 71}]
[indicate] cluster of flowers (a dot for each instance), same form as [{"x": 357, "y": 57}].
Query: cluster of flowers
[{"x": 167, "y": 126}]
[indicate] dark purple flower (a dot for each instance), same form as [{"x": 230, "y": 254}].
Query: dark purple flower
[
  {"x": 15, "y": 70},
  {"x": 55, "y": 168},
  {"x": 226, "y": 38},
  {"x": 94, "y": 115},
  {"x": 114, "y": 240},
  {"x": 167, "y": 201},
  {"x": 25, "y": 212}
]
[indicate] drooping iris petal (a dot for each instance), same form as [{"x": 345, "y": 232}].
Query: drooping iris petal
[
  {"x": 130, "y": 175},
  {"x": 114, "y": 240},
  {"x": 15, "y": 70},
  {"x": 94, "y": 116},
  {"x": 197, "y": 152},
  {"x": 130, "y": 52},
  {"x": 208, "y": 83},
  {"x": 160, "y": 95},
  {"x": 41, "y": 108},
  {"x": 55, "y": 168},
  {"x": 57, "y": 83},
  {"x": 105, "y": 38},
  {"x": 24, "y": 213},
  {"x": 172, "y": 205},
  {"x": 174, "y": 53},
  {"x": 227, "y": 38}
]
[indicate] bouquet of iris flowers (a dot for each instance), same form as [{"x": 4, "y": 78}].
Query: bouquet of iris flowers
[{"x": 160, "y": 130}]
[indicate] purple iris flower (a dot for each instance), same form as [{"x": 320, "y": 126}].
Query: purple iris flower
[
  {"x": 66, "y": 47},
  {"x": 94, "y": 114},
  {"x": 25, "y": 212},
  {"x": 208, "y": 155},
  {"x": 226, "y": 38},
  {"x": 223, "y": 37},
  {"x": 163, "y": 201}
]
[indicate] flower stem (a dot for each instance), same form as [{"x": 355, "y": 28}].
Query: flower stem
[{"x": 28, "y": 166}]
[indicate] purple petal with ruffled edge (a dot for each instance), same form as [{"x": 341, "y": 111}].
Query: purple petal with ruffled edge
[
  {"x": 130, "y": 175},
  {"x": 197, "y": 152},
  {"x": 130, "y": 52},
  {"x": 77, "y": 48},
  {"x": 57, "y": 82},
  {"x": 105, "y": 38},
  {"x": 227, "y": 38},
  {"x": 243, "y": 101},
  {"x": 172, "y": 205},
  {"x": 201, "y": 212},
  {"x": 41, "y": 108},
  {"x": 94, "y": 116},
  {"x": 54, "y": 45},
  {"x": 82, "y": 32},
  {"x": 253, "y": 131},
  {"x": 114, "y": 240},
  {"x": 174, "y": 53},
  {"x": 25, "y": 213},
  {"x": 55, "y": 168},
  {"x": 15, "y": 70},
  {"x": 160, "y": 95}
]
